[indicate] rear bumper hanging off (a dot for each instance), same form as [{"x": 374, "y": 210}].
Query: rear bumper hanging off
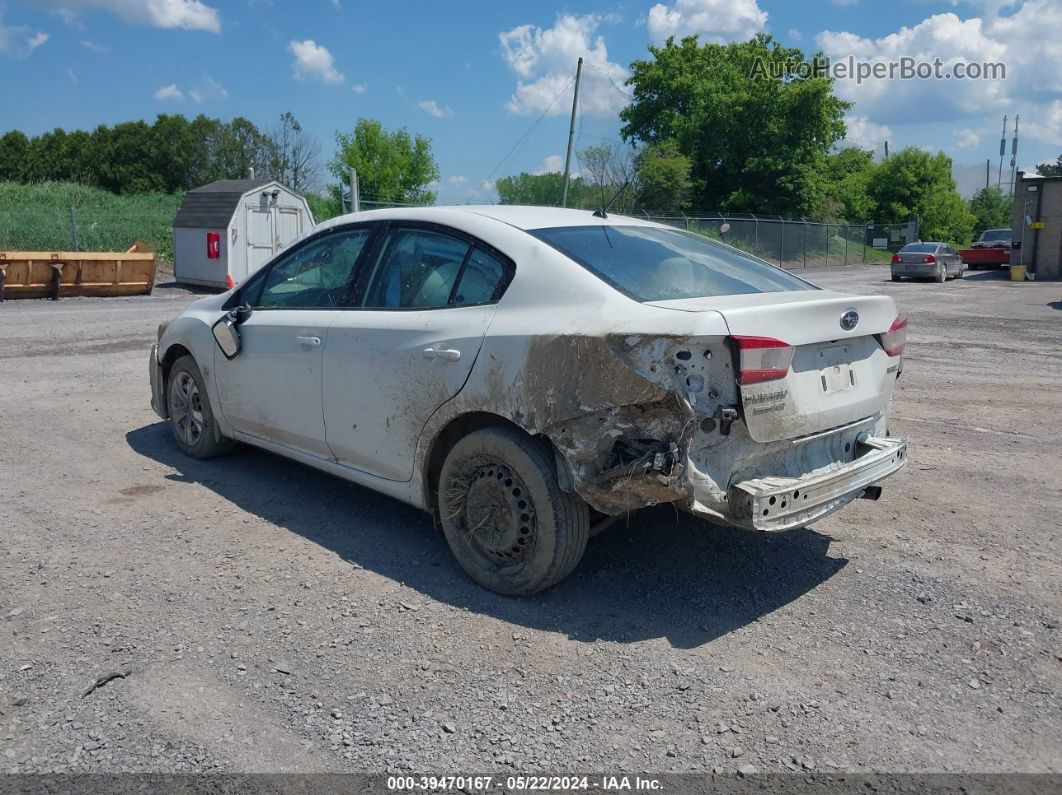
[{"x": 775, "y": 503}]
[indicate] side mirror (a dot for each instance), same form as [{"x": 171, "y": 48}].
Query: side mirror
[
  {"x": 1016, "y": 244},
  {"x": 227, "y": 336},
  {"x": 241, "y": 313}
]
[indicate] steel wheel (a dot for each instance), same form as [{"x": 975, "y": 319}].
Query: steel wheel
[
  {"x": 186, "y": 405},
  {"x": 505, "y": 517},
  {"x": 496, "y": 513}
]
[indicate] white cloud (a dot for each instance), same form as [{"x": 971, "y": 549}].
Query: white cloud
[
  {"x": 849, "y": 2},
  {"x": 169, "y": 92},
  {"x": 315, "y": 61},
  {"x": 18, "y": 41},
  {"x": 711, "y": 20},
  {"x": 359, "y": 88},
  {"x": 208, "y": 89},
  {"x": 433, "y": 108},
  {"x": 794, "y": 34},
  {"x": 336, "y": 4},
  {"x": 967, "y": 138},
  {"x": 543, "y": 60},
  {"x": 184, "y": 14},
  {"x": 1025, "y": 41},
  {"x": 458, "y": 180},
  {"x": 70, "y": 73},
  {"x": 1045, "y": 124},
  {"x": 864, "y": 133},
  {"x": 551, "y": 164},
  {"x": 92, "y": 46}
]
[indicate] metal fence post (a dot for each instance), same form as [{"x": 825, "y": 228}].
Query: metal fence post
[
  {"x": 865, "y": 230},
  {"x": 827, "y": 245},
  {"x": 805, "y": 242},
  {"x": 846, "y": 245},
  {"x": 73, "y": 229},
  {"x": 755, "y": 232},
  {"x": 781, "y": 240}
]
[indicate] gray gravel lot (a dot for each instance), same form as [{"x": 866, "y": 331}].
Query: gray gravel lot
[{"x": 271, "y": 618}]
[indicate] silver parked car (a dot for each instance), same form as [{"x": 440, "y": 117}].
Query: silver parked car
[{"x": 927, "y": 261}]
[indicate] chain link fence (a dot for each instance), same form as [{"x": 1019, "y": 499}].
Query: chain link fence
[
  {"x": 796, "y": 243},
  {"x": 85, "y": 229},
  {"x": 790, "y": 243}
]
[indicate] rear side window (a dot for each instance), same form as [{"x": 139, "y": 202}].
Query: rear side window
[
  {"x": 426, "y": 269},
  {"x": 654, "y": 264}
]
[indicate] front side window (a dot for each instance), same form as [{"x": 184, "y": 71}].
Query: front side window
[
  {"x": 315, "y": 275},
  {"x": 425, "y": 269},
  {"x": 653, "y": 264}
]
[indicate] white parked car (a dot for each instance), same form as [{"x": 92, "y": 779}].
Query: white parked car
[{"x": 526, "y": 373}]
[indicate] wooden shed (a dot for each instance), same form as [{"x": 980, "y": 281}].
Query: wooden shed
[{"x": 227, "y": 230}]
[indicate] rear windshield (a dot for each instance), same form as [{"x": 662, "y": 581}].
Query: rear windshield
[
  {"x": 653, "y": 264},
  {"x": 996, "y": 234},
  {"x": 920, "y": 248}
]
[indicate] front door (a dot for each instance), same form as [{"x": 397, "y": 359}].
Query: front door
[
  {"x": 272, "y": 388},
  {"x": 260, "y": 234},
  {"x": 408, "y": 345}
]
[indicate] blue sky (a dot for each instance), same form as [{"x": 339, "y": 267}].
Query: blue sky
[{"x": 474, "y": 76}]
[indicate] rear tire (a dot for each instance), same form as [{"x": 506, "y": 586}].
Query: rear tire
[
  {"x": 942, "y": 273},
  {"x": 192, "y": 420},
  {"x": 895, "y": 278},
  {"x": 506, "y": 519}
]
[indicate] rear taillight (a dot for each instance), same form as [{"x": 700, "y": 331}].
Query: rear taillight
[
  {"x": 895, "y": 338},
  {"x": 762, "y": 359},
  {"x": 897, "y": 258},
  {"x": 929, "y": 258}
]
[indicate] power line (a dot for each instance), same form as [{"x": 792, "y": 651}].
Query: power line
[{"x": 521, "y": 141}]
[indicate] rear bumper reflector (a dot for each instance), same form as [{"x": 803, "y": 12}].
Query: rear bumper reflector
[{"x": 775, "y": 503}]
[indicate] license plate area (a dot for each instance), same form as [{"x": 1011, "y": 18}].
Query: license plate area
[{"x": 835, "y": 369}]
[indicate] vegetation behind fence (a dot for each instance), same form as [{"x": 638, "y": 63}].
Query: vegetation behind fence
[{"x": 59, "y": 216}]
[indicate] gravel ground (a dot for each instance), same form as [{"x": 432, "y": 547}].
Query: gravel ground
[{"x": 264, "y": 617}]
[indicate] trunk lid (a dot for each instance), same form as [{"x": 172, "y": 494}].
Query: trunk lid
[{"x": 837, "y": 376}]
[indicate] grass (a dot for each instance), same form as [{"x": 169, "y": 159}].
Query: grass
[{"x": 37, "y": 217}]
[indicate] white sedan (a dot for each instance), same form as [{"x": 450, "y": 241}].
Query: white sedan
[{"x": 527, "y": 373}]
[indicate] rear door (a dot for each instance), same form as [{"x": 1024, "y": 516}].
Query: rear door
[
  {"x": 837, "y": 376},
  {"x": 424, "y": 301}
]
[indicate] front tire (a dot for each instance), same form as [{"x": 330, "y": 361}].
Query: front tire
[
  {"x": 192, "y": 419},
  {"x": 506, "y": 519}
]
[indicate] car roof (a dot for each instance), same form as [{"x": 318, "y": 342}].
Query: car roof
[{"x": 519, "y": 216}]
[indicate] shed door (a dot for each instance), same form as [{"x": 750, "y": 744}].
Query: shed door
[
  {"x": 260, "y": 235},
  {"x": 288, "y": 226}
]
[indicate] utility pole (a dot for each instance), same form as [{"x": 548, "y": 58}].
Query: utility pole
[
  {"x": 886, "y": 150},
  {"x": 1014, "y": 155},
  {"x": 571, "y": 133},
  {"x": 355, "y": 199},
  {"x": 988, "y": 171},
  {"x": 1002, "y": 151}
]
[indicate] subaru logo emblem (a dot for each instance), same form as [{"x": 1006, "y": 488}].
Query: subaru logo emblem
[{"x": 849, "y": 319}]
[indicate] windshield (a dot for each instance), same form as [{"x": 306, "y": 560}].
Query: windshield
[
  {"x": 995, "y": 234},
  {"x": 653, "y": 264},
  {"x": 919, "y": 247}
]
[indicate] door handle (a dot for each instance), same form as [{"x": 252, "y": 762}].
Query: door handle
[
  {"x": 443, "y": 353},
  {"x": 313, "y": 342}
]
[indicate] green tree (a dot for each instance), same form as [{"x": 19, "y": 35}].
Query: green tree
[
  {"x": 848, "y": 173},
  {"x": 755, "y": 126},
  {"x": 391, "y": 166},
  {"x": 543, "y": 190},
  {"x": 13, "y": 148},
  {"x": 663, "y": 175},
  {"x": 1050, "y": 169},
  {"x": 915, "y": 182},
  {"x": 991, "y": 209}
]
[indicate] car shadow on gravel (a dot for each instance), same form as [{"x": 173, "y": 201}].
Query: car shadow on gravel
[{"x": 660, "y": 574}]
